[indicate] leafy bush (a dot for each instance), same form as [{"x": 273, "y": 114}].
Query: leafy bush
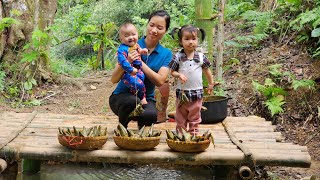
[{"x": 275, "y": 93}]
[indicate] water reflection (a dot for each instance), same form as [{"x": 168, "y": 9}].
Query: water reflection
[{"x": 92, "y": 171}]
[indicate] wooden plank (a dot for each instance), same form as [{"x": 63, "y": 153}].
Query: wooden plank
[
  {"x": 290, "y": 160},
  {"x": 160, "y": 156},
  {"x": 127, "y": 156},
  {"x": 284, "y": 146},
  {"x": 20, "y": 128}
]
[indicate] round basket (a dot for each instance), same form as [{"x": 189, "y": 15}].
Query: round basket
[
  {"x": 189, "y": 146},
  {"x": 136, "y": 143},
  {"x": 77, "y": 142}
]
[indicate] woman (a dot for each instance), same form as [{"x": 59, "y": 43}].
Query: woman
[{"x": 155, "y": 68}]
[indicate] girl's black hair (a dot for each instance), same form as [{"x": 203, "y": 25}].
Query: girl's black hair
[
  {"x": 161, "y": 13},
  {"x": 187, "y": 28}
]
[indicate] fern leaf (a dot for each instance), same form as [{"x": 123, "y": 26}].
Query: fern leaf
[
  {"x": 274, "y": 105},
  {"x": 303, "y": 83}
]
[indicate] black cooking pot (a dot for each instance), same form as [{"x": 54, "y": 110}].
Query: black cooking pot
[{"x": 217, "y": 109}]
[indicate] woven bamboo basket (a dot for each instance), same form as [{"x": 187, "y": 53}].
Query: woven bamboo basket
[
  {"x": 87, "y": 143},
  {"x": 136, "y": 143},
  {"x": 189, "y": 146}
]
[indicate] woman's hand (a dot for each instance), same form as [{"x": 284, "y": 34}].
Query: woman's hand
[
  {"x": 133, "y": 55},
  {"x": 117, "y": 74}
]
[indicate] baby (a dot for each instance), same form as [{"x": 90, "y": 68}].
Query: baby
[{"x": 133, "y": 77}]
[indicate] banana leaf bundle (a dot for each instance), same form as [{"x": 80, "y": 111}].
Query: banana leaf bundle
[
  {"x": 94, "y": 131},
  {"x": 143, "y": 132},
  {"x": 187, "y": 137},
  {"x": 137, "y": 111}
]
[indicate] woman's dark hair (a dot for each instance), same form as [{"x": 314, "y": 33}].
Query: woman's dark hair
[
  {"x": 187, "y": 28},
  {"x": 162, "y": 13}
]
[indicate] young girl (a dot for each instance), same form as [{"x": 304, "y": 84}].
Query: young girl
[{"x": 188, "y": 66}]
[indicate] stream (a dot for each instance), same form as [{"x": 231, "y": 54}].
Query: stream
[{"x": 93, "y": 171}]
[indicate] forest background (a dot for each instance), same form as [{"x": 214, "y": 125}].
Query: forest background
[{"x": 271, "y": 64}]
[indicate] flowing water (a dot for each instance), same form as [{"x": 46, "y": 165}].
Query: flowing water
[{"x": 92, "y": 171}]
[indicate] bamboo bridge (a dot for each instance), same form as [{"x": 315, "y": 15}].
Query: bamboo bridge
[{"x": 30, "y": 138}]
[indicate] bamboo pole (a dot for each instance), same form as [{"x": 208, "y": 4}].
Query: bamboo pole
[
  {"x": 235, "y": 140},
  {"x": 160, "y": 156},
  {"x": 220, "y": 39},
  {"x": 203, "y": 11}
]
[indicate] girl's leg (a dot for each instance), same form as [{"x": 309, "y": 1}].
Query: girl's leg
[
  {"x": 162, "y": 100},
  {"x": 122, "y": 104},
  {"x": 194, "y": 116},
  {"x": 181, "y": 116}
]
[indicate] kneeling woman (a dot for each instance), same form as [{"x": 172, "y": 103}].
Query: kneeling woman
[{"x": 155, "y": 68}]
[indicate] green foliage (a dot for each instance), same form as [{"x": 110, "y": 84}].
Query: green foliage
[
  {"x": 2, "y": 80},
  {"x": 13, "y": 91},
  {"x": 233, "y": 10},
  {"x": 307, "y": 18},
  {"x": 7, "y": 22},
  {"x": 219, "y": 91},
  {"x": 260, "y": 23},
  {"x": 274, "y": 95},
  {"x": 310, "y": 84},
  {"x": 32, "y": 102},
  {"x": 274, "y": 92},
  {"x": 231, "y": 63},
  {"x": 78, "y": 27},
  {"x": 307, "y": 23},
  {"x": 34, "y": 50},
  {"x": 75, "y": 69},
  {"x": 274, "y": 104}
]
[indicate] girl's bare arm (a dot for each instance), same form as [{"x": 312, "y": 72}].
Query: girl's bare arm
[{"x": 209, "y": 77}]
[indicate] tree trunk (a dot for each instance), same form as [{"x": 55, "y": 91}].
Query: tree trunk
[
  {"x": 268, "y": 5},
  {"x": 32, "y": 14}
]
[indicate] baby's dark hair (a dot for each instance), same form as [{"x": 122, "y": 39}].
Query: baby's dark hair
[
  {"x": 187, "y": 28},
  {"x": 124, "y": 25}
]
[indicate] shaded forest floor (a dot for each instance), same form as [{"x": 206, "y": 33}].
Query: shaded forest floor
[{"x": 298, "y": 124}]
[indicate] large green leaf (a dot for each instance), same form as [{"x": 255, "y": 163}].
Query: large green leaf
[
  {"x": 27, "y": 85},
  {"x": 274, "y": 105},
  {"x": 29, "y": 57},
  {"x": 315, "y": 32}
]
